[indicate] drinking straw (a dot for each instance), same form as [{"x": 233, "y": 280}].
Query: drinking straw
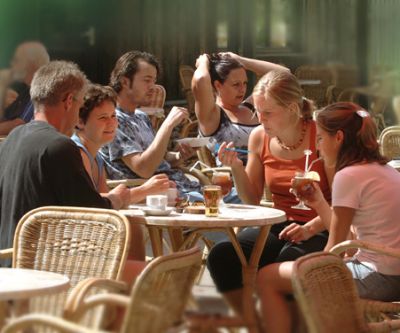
[
  {"x": 312, "y": 163},
  {"x": 238, "y": 150},
  {"x": 307, "y": 152}
]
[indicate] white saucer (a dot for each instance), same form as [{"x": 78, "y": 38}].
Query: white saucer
[
  {"x": 157, "y": 212},
  {"x": 195, "y": 142}
]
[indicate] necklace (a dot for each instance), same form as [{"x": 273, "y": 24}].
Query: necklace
[{"x": 298, "y": 143}]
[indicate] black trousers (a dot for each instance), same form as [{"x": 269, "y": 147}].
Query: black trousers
[{"x": 226, "y": 269}]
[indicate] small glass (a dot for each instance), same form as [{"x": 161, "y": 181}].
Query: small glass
[
  {"x": 300, "y": 187},
  {"x": 212, "y": 197},
  {"x": 224, "y": 180}
]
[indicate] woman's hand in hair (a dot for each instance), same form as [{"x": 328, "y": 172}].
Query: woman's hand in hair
[
  {"x": 203, "y": 60},
  {"x": 232, "y": 55}
]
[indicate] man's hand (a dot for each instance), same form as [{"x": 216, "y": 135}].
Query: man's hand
[
  {"x": 120, "y": 196},
  {"x": 176, "y": 116},
  {"x": 157, "y": 184}
]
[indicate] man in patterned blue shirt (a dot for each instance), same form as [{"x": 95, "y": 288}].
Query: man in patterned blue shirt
[{"x": 137, "y": 151}]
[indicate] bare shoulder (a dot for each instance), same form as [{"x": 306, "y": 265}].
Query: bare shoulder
[{"x": 256, "y": 139}]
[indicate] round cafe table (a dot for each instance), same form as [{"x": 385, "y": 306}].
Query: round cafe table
[
  {"x": 18, "y": 285},
  {"x": 231, "y": 216}
]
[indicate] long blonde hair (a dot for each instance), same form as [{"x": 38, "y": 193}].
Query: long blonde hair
[{"x": 284, "y": 88}]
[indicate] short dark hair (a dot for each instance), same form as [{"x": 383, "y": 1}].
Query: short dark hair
[
  {"x": 360, "y": 133},
  {"x": 127, "y": 66},
  {"x": 95, "y": 95}
]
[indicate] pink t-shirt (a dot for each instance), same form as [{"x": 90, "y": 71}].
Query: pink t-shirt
[{"x": 373, "y": 190}]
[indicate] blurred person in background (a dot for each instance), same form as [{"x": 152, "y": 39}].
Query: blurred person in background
[{"x": 18, "y": 108}]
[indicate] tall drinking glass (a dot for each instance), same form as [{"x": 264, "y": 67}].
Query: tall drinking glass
[{"x": 300, "y": 187}]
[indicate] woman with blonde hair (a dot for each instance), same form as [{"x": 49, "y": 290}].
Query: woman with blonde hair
[
  {"x": 361, "y": 203},
  {"x": 276, "y": 153}
]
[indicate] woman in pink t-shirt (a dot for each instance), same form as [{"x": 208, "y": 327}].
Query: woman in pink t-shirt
[{"x": 362, "y": 189}]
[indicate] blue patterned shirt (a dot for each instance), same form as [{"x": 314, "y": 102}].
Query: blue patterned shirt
[{"x": 134, "y": 135}]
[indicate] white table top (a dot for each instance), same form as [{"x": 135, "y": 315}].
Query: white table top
[
  {"x": 18, "y": 283},
  {"x": 232, "y": 215}
]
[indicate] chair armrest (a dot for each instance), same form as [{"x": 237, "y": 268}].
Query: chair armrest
[
  {"x": 76, "y": 304},
  {"x": 203, "y": 179},
  {"x": 351, "y": 244},
  {"x": 55, "y": 323},
  {"x": 210, "y": 171},
  {"x": 6, "y": 253}
]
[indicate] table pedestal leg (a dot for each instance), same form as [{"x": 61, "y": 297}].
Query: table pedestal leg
[
  {"x": 249, "y": 274},
  {"x": 155, "y": 235}
]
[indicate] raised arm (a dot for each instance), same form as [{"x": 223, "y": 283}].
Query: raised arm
[
  {"x": 146, "y": 163},
  {"x": 205, "y": 106},
  {"x": 259, "y": 67}
]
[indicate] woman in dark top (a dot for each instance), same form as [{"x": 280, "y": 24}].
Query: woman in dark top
[{"x": 219, "y": 86}]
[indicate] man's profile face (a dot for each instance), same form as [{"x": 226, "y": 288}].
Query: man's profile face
[{"x": 142, "y": 84}]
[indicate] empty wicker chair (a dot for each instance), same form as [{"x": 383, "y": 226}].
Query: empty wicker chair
[
  {"x": 157, "y": 301},
  {"x": 344, "y": 77},
  {"x": 315, "y": 92},
  {"x": 77, "y": 242},
  {"x": 327, "y": 296},
  {"x": 158, "y": 97},
  {"x": 389, "y": 141},
  {"x": 186, "y": 74},
  {"x": 157, "y": 101}
]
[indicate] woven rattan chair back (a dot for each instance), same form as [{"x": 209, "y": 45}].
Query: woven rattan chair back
[
  {"x": 158, "y": 97},
  {"x": 76, "y": 242},
  {"x": 327, "y": 296},
  {"x": 317, "y": 92},
  {"x": 206, "y": 156},
  {"x": 186, "y": 73},
  {"x": 161, "y": 292},
  {"x": 390, "y": 142}
]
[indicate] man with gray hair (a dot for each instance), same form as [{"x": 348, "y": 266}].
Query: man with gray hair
[
  {"x": 40, "y": 164},
  {"x": 28, "y": 58}
]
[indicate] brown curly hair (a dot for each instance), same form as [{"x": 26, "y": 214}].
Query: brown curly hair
[{"x": 95, "y": 95}]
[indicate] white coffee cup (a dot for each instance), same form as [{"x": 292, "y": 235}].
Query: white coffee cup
[
  {"x": 172, "y": 194},
  {"x": 158, "y": 202}
]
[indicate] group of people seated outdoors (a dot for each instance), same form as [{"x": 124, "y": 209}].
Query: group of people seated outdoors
[{"x": 66, "y": 136}]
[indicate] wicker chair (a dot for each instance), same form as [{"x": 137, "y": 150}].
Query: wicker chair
[
  {"x": 77, "y": 242},
  {"x": 344, "y": 77},
  {"x": 186, "y": 74},
  {"x": 373, "y": 310},
  {"x": 327, "y": 296},
  {"x": 157, "y": 301},
  {"x": 316, "y": 92},
  {"x": 389, "y": 141},
  {"x": 157, "y": 101}
]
